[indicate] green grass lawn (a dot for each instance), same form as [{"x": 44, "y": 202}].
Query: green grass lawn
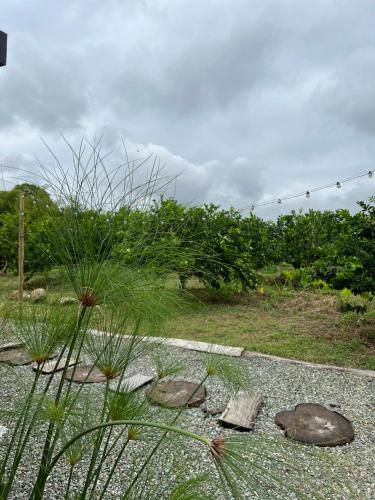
[
  {"x": 304, "y": 325},
  {"x": 294, "y": 324}
]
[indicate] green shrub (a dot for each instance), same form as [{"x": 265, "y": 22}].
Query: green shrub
[
  {"x": 321, "y": 285},
  {"x": 353, "y": 303},
  {"x": 225, "y": 293}
]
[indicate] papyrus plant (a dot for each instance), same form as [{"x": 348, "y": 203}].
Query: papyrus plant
[{"x": 91, "y": 436}]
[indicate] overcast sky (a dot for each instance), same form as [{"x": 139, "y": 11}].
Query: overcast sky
[{"x": 250, "y": 100}]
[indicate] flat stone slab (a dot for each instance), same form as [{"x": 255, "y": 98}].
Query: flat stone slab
[
  {"x": 314, "y": 424},
  {"x": 11, "y": 345},
  {"x": 177, "y": 393},
  {"x": 242, "y": 411},
  {"x": 82, "y": 375},
  {"x": 133, "y": 383},
  {"x": 15, "y": 357},
  {"x": 186, "y": 344},
  {"x": 53, "y": 366},
  {"x": 204, "y": 347}
]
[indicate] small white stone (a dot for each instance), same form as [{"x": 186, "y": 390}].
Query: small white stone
[
  {"x": 3, "y": 431},
  {"x": 65, "y": 301},
  {"x": 38, "y": 295}
]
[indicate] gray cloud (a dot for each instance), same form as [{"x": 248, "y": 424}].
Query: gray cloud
[
  {"x": 249, "y": 100},
  {"x": 42, "y": 87},
  {"x": 350, "y": 97}
]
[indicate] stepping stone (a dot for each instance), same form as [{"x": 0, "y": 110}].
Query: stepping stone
[
  {"x": 130, "y": 384},
  {"x": 11, "y": 345},
  {"x": 241, "y": 411},
  {"x": 3, "y": 431},
  {"x": 314, "y": 424},
  {"x": 54, "y": 366},
  {"x": 175, "y": 394},
  {"x": 82, "y": 375},
  {"x": 15, "y": 357}
]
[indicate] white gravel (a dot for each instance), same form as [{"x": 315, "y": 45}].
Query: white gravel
[{"x": 284, "y": 385}]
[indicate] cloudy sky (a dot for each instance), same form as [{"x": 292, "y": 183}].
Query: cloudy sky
[{"x": 248, "y": 100}]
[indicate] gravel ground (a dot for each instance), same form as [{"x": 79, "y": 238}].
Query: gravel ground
[{"x": 283, "y": 384}]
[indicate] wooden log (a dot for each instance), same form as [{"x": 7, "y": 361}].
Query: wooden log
[
  {"x": 314, "y": 424},
  {"x": 241, "y": 411}
]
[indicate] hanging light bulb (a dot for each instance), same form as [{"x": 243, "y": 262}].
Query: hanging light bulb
[
  {"x": 308, "y": 194},
  {"x": 370, "y": 174},
  {"x": 279, "y": 201},
  {"x": 338, "y": 185}
]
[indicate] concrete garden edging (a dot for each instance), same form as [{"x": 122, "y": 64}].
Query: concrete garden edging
[{"x": 239, "y": 352}]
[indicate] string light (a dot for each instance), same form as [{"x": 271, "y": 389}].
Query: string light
[{"x": 307, "y": 194}]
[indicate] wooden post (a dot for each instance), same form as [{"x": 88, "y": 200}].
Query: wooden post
[{"x": 21, "y": 246}]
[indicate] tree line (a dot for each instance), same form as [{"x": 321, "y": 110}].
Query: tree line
[{"x": 218, "y": 246}]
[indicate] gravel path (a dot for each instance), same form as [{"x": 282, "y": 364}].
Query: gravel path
[{"x": 283, "y": 384}]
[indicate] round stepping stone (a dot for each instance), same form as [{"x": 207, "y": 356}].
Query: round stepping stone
[
  {"x": 82, "y": 375},
  {"x": 177, "y": 393},
  {"x": 314, "y": 424},
  {"x": 15, "y": 357}
]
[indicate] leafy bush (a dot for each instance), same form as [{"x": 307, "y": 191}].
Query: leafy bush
[
  {"x": 363, "y": 324},
  {"x": 352, "y": 303},
  {"x": 39, "y": 208},
  {"x": 337, "y": 246},
  {"x": 226, "y": 293},
  {"x": 204, "y": 242}
]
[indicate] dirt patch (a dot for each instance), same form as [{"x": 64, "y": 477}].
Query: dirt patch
[{"x": 314, "y": 303}]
